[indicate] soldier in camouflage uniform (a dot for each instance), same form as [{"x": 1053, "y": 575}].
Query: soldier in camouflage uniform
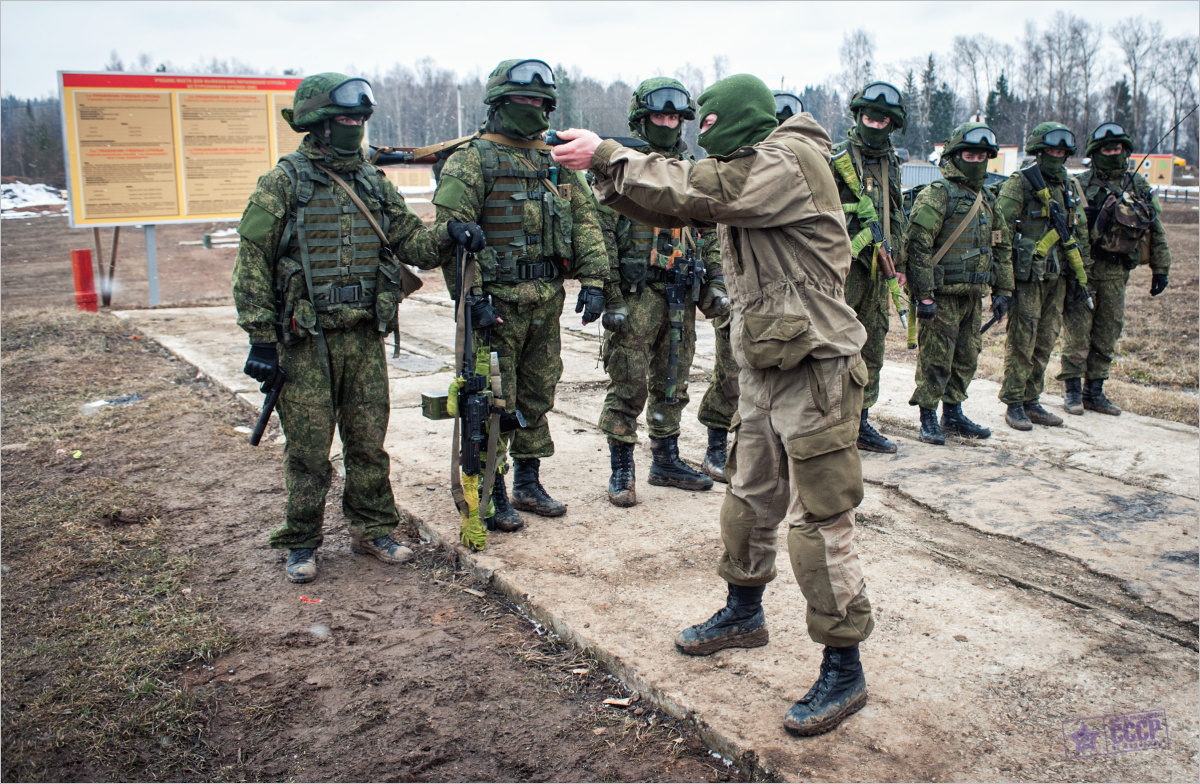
[
  {"x": 867, "y": 157},
  {"x": 957, "y": 250},
  {"x": 636, "y": 357},
  {"x": 1042, "y": 267},
  {"x": 541, "y": 225},
  {"x": 317, "y": 292},
  {"x": 1123, "y": 219}
]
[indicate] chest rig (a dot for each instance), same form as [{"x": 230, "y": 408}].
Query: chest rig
[
  {"x": 527, "y": 223},
  {"x": 1120, "y": 219},
  {"x": 968, "y": 259},
  {"x": 1034, "y": 223},
  {"x": 649, "y": 254},
  {"x": 332, "y": 245}
]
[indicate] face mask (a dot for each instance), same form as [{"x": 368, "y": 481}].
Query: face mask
[
  {"x": 874, "y": 137},
  {"x": 346, "y": 139},
  {"x": 1111, "y": 163},
  {"x": 660, "y": 136},
  {"x": 1052, "y": 168},
  {"x": 745, "y": 110},
  {"x": 974, "y": 172},
  {"x": 522, "y": 120}
]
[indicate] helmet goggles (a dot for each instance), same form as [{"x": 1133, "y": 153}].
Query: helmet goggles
[
  {"x": 882, "y": 91},
  {"x": 1059, "y": 137},
  {"x": 1107, "y": 130},
  {"x": 658, "y": 100},
  {"x": 788, "y": 101},
  {"x": 980, "y": 136},
  {"x": 526, "y": 71},
  {"x": 350, "y": 94}
]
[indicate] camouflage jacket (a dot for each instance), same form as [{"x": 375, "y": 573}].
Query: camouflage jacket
[
  {"x": 1097, "y": 187},
  {"x": 460, "y": 197},
  {"x": 931, "y": 226},
  {"x": 261, "y": 230},
  {"x": 1022, "y": 216},
  {"x": 870, "y": 175}
]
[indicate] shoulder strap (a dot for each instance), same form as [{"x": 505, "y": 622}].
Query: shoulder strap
[
  {"x": 524, "y": 144},
  {"x": 960, "y": 229},
  {"x": 1079, "y": 189}
]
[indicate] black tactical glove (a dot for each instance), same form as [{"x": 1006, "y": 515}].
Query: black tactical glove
[
  {"x": 1076, "y": 294},
  {"x": 468, "y": 235},
  {"x": 590, "y": 303},
  {"x": 926, "y": 311},
  {"x": 1157, "y": 284},
  {"x": 484, "y": 313},
  {"x": 1000, "y": 305},
  {"x": 262, "y": 362}
]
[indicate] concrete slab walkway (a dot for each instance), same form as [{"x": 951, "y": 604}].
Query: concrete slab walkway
[{"x": 1018, "y": 584}]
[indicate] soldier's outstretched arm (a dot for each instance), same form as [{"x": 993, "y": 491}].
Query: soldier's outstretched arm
[
  {"x": 925, "y": 222},
  {"x": 459, "y": 197},
  {"x": 411, "y": 240},
  {"x": 261, "y": 230}
]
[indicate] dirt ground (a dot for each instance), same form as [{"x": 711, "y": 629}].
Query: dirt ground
[{"x": 148, "y": 633}]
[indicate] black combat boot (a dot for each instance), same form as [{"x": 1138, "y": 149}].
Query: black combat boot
[
  {"x": 931, "y": 433},
  {"x": 302, "y": 565},
  {"x": 667, "y": 470},
  {"x": 739, "y": 624},
  {"x": 506, "y": 519},
  {"x": 1016, "y": 419},
  {"x": 955, "y": 422},
  {"x": 718, "y": 452},
  {"x": 1073, "y": 400},
  {"x": 870, "y": 439},
  {"x": 1094, "y": 399},
  {"x": 621, "y": 489},
  {"x": 840, "y": 690},
  {"x": 1040, "y": 416},
  {"x": 528, "y": 495}
]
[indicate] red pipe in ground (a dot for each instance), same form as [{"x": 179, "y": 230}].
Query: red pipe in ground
[{"x": 85, "y": 287}]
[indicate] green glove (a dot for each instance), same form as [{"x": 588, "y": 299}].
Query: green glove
[{"x": 714, "y": 300}]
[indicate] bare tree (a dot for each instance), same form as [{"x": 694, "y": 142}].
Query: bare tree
[
  {"x": 720, "y": 67},
  {"x": 1177, "y": 78},
  {"x": 1087, "y": 39},
  {"x": 858, "y": 55},
  {"x": 968, "y": 64},
  {"x": 1137, "y": 40}
]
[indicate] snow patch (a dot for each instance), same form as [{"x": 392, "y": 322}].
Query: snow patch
[{"x": 21, "y": 196}]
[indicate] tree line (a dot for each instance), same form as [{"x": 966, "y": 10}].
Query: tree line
[{"x": 1145, "y": 80}]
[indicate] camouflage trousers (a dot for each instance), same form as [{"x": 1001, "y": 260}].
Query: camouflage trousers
[
  {"x": 1090, "y": 337},
  {"x": 793, "y": 460},
  {"x": 636, "y": 361},
  {"x": 1033, "y": 326},
  {"x": 948, "y": 351},
  {"x": 721, "y": 400},
  {"x": 530, "y": 353},
  {"x": 354, "y": 398},
  {"x": 869, "y": 296}
]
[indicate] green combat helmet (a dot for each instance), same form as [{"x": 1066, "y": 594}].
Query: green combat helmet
[
  {"x": 1105, "y": 134},
  {"x": 971, "y": 136},
  {"x": 659, "y": 94},
  {"x": 531, "y": 78},
  {"x": 787, "y": 105},
  {"x": 882, "y": 97},
  {"x": 1048, "y": 135},
  {"x": 323, "y": 96}
]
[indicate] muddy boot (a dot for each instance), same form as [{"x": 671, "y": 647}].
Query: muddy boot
[
  {"x": 870, "y": 440},
  {"x": 1016, "y": 419},
  {"x": 302, "y": 565},
  {"x": 667, "y": 470},
  {"x": 739, "y": 624},
  {"x": 931, "y": 433},
  {"x": 714, "y": 458},
  {"x": 528, "y": 495},
  {"x": 1073, "y": 400},
  {"x": 1040, "y": 416},
  {"x": 840, "y": 690},
  {"x": 955, "y": 422},
  {"x": 385, "y": 548},
  {"x": 621, "y": 489},
  {"x": 506, "y": 519},
  {"x": 1094, "y": 399}
]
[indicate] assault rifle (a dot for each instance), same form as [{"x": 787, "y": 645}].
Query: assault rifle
[
  {"x": 685, "y": 275},
  {"x": 552, "y": 138},
  {"x": 271, "y": 388},
  {"x": 430, "y": 153},
  {"x": 1061, "y": 232}
]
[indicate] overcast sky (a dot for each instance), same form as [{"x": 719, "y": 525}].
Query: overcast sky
[{"x": 797, "y": 41}]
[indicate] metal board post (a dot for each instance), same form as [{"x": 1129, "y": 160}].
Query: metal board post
[{"x": 151, "y": 265}]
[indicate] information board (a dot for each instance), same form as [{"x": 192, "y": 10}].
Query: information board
[{"x": 169, "y": 148}]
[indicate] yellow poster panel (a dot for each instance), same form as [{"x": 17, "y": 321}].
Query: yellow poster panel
[
  {"x": 286, "y": 140},
  {"x": 225, "y": 147}
]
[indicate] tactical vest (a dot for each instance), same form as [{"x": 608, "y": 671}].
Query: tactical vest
[
  {"x": 648, "y": 257},
  {"x": 1033, "y": 224},
  {"x": 1120, "y": 221},
  {"x": 871, "y": 186},
  {"x": 528, "y": 227},
  {"x": 339, "y": 269},
  {"x": 969, "y": 258}
]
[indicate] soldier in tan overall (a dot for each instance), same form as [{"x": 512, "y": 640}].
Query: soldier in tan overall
[{"x": 793, "y": 459}]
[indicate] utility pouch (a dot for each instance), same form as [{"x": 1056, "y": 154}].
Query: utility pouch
[
  {"x": 1023, "y": 252},
  {"x": 558, "y": 226},
  {"x": 771, "y": 341},
  {"x": 633, "y": 274},
  {"x": 290, "y": 286}
]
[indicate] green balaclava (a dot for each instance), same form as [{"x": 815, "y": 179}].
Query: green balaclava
[
  {"x": 523, "y": 120},
  {"x": 661, "y": 138},
  {"x": 745, "y": 110},
  {"x": 975, "y": 173},
  {"x": 876, "y": 138},
  {"x": 346, "y": 140},
  {"x": 1112, "y": 163},
  {"x": 1111, "y": 133},
  {"x": 1053, "y": 168}
]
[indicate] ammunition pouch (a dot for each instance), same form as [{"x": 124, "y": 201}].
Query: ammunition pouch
[
  {"x": 1121, "y": 224},
  {"x": 636, "y": 273},
  {"x": 963, "y": 269},
  {"x": 297, "y": 317}
]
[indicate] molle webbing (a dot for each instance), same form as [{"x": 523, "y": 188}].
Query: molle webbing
[
  {"x": 509, "y": 182},
  {"x": 964, "y": 245}
]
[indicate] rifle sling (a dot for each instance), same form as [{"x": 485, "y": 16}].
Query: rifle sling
[{"x": 960, "y": 229}]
